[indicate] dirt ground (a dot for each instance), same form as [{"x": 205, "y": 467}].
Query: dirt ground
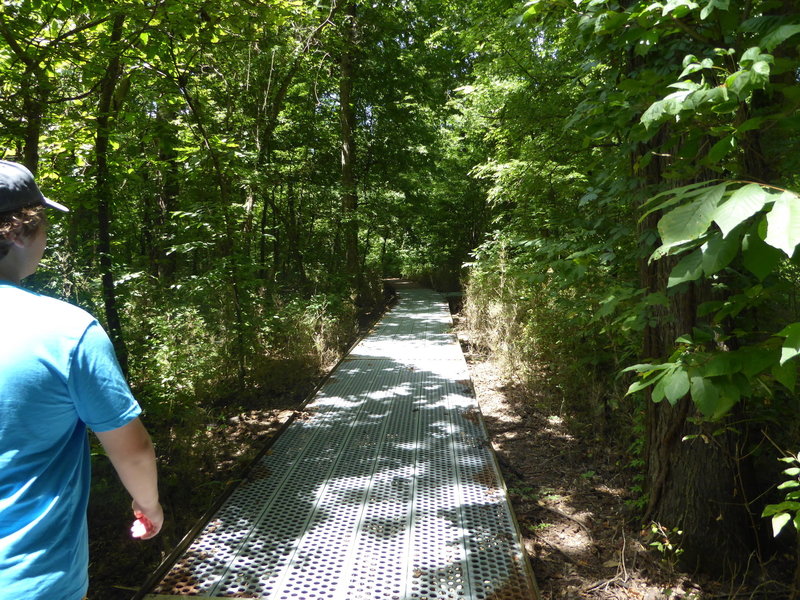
[{"x": 571, "y": 492}]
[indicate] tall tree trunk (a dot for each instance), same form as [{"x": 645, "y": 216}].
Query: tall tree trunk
[
  {"x": 104, "y": 191},
  {"x": 34, "y": 98},
  {"x": 691, "y": 473},
  {"x": 348, "y": 124}
]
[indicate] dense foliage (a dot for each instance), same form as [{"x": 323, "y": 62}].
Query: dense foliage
[
  {"x": 643, "y": 166},
  {"x": 618, "y": 176}
]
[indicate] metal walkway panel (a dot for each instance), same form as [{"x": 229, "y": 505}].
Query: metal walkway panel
[{"x": 386, "y": 487}]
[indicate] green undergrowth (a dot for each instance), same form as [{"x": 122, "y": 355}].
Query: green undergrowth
[
  {"x": 547, "y": 335},
  {"x": 186, "y": 373}
]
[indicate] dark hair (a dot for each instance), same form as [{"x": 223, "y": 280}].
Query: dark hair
[{"x": 23, "y": 221}]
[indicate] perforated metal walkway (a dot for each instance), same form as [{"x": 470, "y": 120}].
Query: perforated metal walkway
[{"x": 387, "y": 488}]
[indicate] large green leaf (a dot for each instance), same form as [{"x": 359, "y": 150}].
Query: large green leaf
[
  {"x": 662, "y": 109},
  {"x": 779, "y": 35},
  {"x": 758, "y": 257},
  {"x": 690, "y": 221},
  {"x": 742, "y": 204},
  {"x": 673, "y": 196},
  {"x": 773, "y": 509},
  {"x": 711, "y": 5},
  {"x": 783, "y": 223},
  {"x": 786, "y": 374},
  {"x": 705, "y": 395},
  {"x": 676, "y": 385},
  {"x": 756, "y": 359},
  {"x": 689, "y": 268},
  {"x": 714, "y": 397},
  {"x": 678, "y": 8},
  {"x": 722, "y": 363},
  {"x": 718, "y": 252},
  {"x": 720, "y": 149}
]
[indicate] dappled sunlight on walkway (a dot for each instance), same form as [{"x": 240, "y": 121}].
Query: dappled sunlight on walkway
[{"x": 385, "y": 488}]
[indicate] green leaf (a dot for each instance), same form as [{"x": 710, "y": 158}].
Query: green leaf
[
  {"x": 742, "y": 204},
  {"x": 739, "y": 82},
  {"x": 661, "y": 110},
  {"x": 730, "y": 394},
  {"x": 719, "y": 150},
  {"x": 648, "y": 368},
  {"x": 779, "y": 35},
  {"x": 689, "y": 69},
  {"x": 789, "y": 485},
  {"x": 791, "y": 345},
  {"x": 676, "y": 385},
  {"x": 781, "y": 507},
  {"x": 679, "y": 8},
  {"x": 713, "y": 400},
  {"x": 637, "y": 386},
  {"x": 750, "y": 125},
  {"x": 779, "y": 522},
  {"x": 712, "y": 4},
  {"x": 689, "y": 268},
  {"x": 704, "y": 394},
  {"x": 706, "y": 308},
  {"x": 690, "y": 221},
  {"x": 756, "y": 359},
  {"x": 758, "y": 257},
  {"x": 786, "y": 374},
  {"x": 718, "y": 252},
  {"x": 750, "y": 56},
  {"x": 783, "y": 223},
  {"x": 714, "y": 97},
  {"x": 674, "y": 195},
  {"x": 659, "y": 391},
  {"x": 722, "y": 363}
]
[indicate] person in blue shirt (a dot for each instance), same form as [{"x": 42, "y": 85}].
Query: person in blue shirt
[{"x": 58, "y": 377}]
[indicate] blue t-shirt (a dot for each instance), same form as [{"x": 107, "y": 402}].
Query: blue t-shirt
[{"x": 58, "y": 375}]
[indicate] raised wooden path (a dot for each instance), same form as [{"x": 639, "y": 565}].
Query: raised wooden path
[{"x": 386, "y": 487}]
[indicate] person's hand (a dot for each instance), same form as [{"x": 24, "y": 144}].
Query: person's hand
[{"x": 148, "y": 522}]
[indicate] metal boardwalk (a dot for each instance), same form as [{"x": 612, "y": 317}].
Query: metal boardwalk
[{"x": 386, "y": 487}]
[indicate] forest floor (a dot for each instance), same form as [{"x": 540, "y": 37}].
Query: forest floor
[
  {"x": 572, "y": 493},
  {"x": 570, "y": 487},
  {"x": 571, "y": 496}
]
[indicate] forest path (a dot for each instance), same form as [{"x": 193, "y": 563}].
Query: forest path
[{"x": 386, "y": 487}]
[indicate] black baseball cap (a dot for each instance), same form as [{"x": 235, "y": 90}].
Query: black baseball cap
[{"x": 18, "y": 189}]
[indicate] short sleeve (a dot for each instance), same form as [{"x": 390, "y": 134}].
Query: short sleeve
[{"x": 98, "y": 388}]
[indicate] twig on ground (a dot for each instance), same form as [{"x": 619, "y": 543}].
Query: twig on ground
[{"x": 622, "y": 560}]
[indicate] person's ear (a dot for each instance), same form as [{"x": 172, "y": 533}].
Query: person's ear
[{"x": 17, "y": 239}]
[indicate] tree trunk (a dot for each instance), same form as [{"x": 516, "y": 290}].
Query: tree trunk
[
  {"x": 103, "y": 189},
  {"x": 34, "y": 97},
  {"x": 348, "y": 124},
  {"x": 692, "y": 483}
]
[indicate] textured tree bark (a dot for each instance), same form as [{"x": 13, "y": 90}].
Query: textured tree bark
[
  {"x": 692, "y": 484},
  {"x": 33, "y": 102}
]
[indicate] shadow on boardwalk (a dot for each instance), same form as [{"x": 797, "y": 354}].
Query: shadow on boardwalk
[{"x": 385, "y": 487}]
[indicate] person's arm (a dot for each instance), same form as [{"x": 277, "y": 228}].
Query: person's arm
[{"x": 131, "y": 452}]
